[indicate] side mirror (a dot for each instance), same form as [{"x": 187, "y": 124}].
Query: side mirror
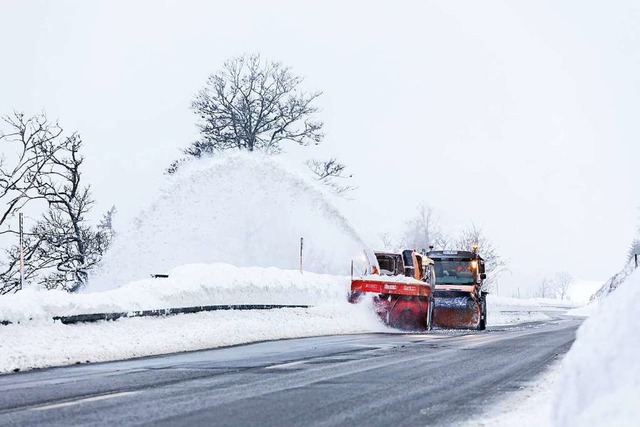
[{"x": 483, "y": 276}]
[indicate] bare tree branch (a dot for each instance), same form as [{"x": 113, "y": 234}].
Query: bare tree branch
[
  {"x": 329, "y": 172},
  {"x": 28, "y": 147},
  {"x": 251, "y": 104},
  {"x": 423, "y": 230},
  {"x": 60, "y": 248},
  {"x": 494, "y": 263}
]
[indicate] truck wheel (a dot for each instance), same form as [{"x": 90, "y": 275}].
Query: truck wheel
[
  {"x": 483, "y": 315},
  {"x": 429, "y": 319}
]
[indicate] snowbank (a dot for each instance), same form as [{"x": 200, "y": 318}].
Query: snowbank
[
  {"x": 24, "y": 346},
  {"x": 37, "y": 342},
  {"x": 245, "y": 209},
  {"x": 189, "y": 285},
  {"x": 600, "y": 379}
]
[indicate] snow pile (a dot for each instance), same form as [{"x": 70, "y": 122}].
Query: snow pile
[
  {"x": 245, "y": 209},
  {"x": 600, "y": 378},
  {"x": 189, "y": 285}
]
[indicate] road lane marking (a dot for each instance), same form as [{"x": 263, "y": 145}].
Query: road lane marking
[{"x": 84, "y": 400}]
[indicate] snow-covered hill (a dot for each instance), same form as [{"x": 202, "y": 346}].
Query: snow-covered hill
[{"x": 244, "y": 209}]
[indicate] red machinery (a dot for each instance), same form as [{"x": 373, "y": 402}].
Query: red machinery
[{"x": 400, "y": 301}]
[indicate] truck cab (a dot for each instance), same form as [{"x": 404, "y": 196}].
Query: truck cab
[{"x": 460, "y": 300}]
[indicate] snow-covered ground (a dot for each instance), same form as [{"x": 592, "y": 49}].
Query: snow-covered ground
[
  {"x": 34, "y": 340},
  {"x": 508, "y": 311}
]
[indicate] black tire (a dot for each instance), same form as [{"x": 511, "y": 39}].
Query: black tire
[
  {"x": 483, "y": 315},
  {"x": 429, "y": 319}
]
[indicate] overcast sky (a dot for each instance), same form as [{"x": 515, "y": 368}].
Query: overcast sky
[{"x": 520, "y": 117}]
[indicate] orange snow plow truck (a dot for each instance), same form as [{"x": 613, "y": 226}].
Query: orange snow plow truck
[
  {"x": 401, "y": 286},
  {"x": 460, "y": 301}
]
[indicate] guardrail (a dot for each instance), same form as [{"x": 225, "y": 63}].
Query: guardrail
[{"x": 95, "y": 317}]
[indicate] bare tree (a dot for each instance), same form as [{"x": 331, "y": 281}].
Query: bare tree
[
  {"x": 494, "y": 263},
  {"x": 385, "y": 238},
  {"x": 251, "y": 104},
  {"x": 547, "y": 287},
  {"x": 562, "y": 281},
  {"x": 27, "y": 146},
  {"x": 60, "y": 248},
  {"x": 58, "y": 254},
  {"x": 329, "y": 172},
  {"x": 423, "y": 230}
]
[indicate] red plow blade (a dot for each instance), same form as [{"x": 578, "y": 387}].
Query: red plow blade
[{"x": 399, "y": 305}]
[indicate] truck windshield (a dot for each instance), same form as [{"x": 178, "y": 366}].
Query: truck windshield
[{"x": 454, "y": 271}]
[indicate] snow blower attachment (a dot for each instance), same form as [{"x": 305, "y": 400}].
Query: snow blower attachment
[
  {"x": 402, "y": 293},
  {"x": 459, "y": 299}
]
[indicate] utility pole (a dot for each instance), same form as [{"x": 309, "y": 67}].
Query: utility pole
[{"x": 20, "y": 222}]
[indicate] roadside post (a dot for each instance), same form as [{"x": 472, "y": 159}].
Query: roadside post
[{"x": 301, "y": 256}]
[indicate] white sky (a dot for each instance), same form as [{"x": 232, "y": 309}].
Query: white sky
[{"x": 520, "y": 117}]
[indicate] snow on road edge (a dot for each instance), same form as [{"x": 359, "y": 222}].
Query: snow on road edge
[{"x": 530, "y": 407}]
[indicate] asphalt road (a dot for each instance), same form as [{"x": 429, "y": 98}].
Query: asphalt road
[{"x": 439, "y": 378}]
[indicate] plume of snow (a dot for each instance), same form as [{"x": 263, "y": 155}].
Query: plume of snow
[{"x": 244, "y": 209}]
